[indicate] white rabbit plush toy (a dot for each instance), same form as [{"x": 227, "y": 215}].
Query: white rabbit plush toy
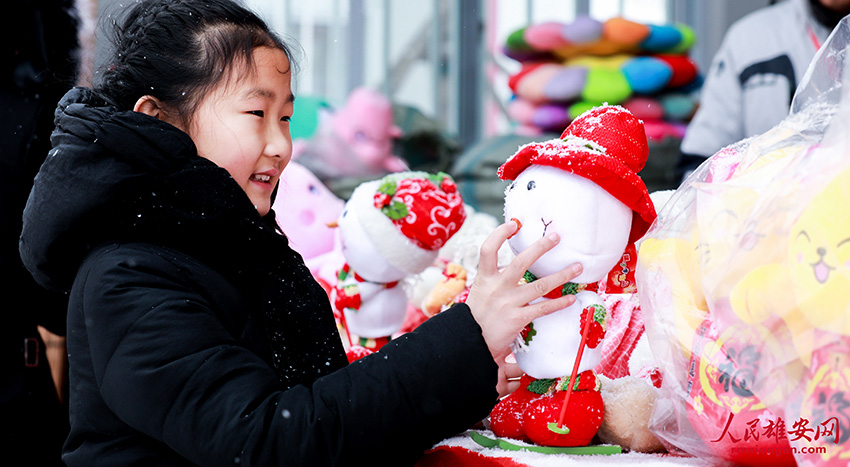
[
  {"x": 585, "y": 187},
  {"x": 390, "y": 229}
]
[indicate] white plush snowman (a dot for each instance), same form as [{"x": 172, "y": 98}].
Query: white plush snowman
[
  {"x": 585, "y": 187},
  {"x": 390, "y": 229}
]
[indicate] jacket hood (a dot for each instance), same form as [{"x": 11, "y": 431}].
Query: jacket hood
[{"x": 98, "y": 155}]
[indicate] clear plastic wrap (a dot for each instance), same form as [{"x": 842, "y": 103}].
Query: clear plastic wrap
[{"x": 744, "y": 283}]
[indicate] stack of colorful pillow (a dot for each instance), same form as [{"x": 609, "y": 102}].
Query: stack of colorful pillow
[{"x": 568, "y": 68}]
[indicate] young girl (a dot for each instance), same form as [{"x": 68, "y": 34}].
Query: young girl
[{"x": 195, "y": 334}]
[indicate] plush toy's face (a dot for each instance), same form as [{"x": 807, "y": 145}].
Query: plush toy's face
[
  {"x": 369, "y": 147},
  {"x": 303, "y": 208},
  {"x": 593, "y": 225},
  {"x": 729, "y": 241},
  {"x": 361, "y": 253},
  {"x": 819, "y": 256},
  {"x": 366, "y": 124}
]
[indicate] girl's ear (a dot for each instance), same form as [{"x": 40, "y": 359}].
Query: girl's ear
[
  {"x": 155, "y": 108},
  {"x": 151, "y": 106}
]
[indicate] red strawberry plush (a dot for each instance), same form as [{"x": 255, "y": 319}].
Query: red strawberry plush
[
  {"x": 584, "y": 416},
  {"x": 356, "y": 352},
  {"x": 506, "y": 416},
  {"x": 346, "y": 297},
  {"x": 527, "y": 333},
  {"x": 597, "y": 314},
  {"x": 586, "y": 380},
  {"x": 427, "y": 224}
]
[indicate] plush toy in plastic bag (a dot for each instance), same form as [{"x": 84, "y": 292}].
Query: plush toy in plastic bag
[{"x": 745, "y": 289}]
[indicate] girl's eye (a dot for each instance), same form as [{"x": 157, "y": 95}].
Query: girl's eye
[
  {"x": 285, "y": 119},
  {"x": 258, "y": 113},
  {"x": 531, "y": 185}
]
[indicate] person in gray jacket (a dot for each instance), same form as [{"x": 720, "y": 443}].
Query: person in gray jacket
[{"x": 754, "y": 74}]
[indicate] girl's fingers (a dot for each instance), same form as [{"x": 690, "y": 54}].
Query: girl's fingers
[
  {"x": 488, "y": 257},
  {"x": 509, "y": 380},
  {"x": 527, "y": 257},
  {"x": 509, "y": 388},
  {"x": 545, "y": 307},
  {"x": 512, "y": 370},
  {"x": 544, "y": 285}
]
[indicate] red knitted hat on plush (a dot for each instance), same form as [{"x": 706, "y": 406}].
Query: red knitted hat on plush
[{"x": 606, "y": 145}]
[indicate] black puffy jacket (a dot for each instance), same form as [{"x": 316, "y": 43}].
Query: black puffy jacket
[{"x": 197, "y": 336}]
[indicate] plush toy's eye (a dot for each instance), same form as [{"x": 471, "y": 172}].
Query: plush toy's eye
[
  {"x": 512, "y": 186},
  {"x": 313, "y": 189},
  {"x": 531, "y": 185},
  {"x": 344, "y": 212}
]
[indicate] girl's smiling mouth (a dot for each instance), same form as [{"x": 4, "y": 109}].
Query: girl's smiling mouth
[{"x": 264, "y": 178}]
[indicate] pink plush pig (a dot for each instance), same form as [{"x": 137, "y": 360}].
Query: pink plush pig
[
  {"x": 366, "y": 123},
  {"x": 304, "y": 207},
  {"x": 356, "y": 140}
]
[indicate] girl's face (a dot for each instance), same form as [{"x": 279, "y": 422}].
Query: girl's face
[{"x": 243, "y": 125}]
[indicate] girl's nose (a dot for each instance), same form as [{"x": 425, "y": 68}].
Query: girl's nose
[{"x": 278, "y": 142}]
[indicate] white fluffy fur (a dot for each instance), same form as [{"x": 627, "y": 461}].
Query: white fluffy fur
[{"x": 394, "y": 247}]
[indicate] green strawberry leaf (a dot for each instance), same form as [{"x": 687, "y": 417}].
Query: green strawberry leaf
[
  {"x": 388, "y": 188},
  {"x": 541, "y": 386},
  {"x": 570, "y": 288},
  {"x": 566, "y": 383},
  {"x": 396, "y": 210},
  {"x": 599, "y": 313}
]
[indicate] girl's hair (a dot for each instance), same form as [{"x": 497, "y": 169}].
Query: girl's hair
[{"x": 179, "y": 50}]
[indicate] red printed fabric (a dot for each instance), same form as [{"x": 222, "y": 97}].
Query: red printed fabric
[
  {"x": 625, "y": 327},
  {"x": 434, "y": 215}
]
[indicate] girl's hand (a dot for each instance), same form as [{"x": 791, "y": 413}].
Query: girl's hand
[
  {"x": 500, "y": 304},
  {"x": 509, "y": 376}
]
